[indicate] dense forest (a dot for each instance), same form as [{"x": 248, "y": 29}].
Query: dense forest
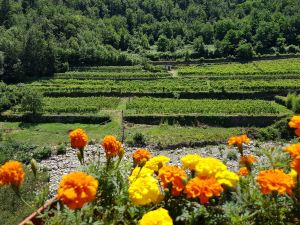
[{"x": 40, "y": 37}]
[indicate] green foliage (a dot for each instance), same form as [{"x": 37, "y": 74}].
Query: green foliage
[
  {"x": 34, "y": 191},
  {"x": 290, "y": 100},
  {"x": 21, "y": 151},
  {"x": 32, "y": 101},
  {"x": 203, "y": 106},
  {"x": 245, "y": 51},
  {"x": 79, "y": 105},
  {"x": 293, "y": 102},
  {"x": 61, "y": 149},
  {"x": 138, "y": 139},
  {"x": 42, "y": 153},
  {"x": 163, "y": 43}
]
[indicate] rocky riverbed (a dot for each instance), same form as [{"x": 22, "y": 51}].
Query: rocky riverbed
[{"x": 59, "y": 165}]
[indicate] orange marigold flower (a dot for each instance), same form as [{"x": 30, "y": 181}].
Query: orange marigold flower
[
  {"x": 12, "y": 173},
  {"x": 76, "y": 189},
  {"x": 140, "y": 156},
  {"x": 175, "y": 176},
  {"x": 243, "y": 171},
  {"x": 79, "y": 138},
  {"x": 275, "y": 181},
  {"x": 247, "y": 160},
  {"x": 294, "y": 150},
  {"x": 112, "y": 146},
  {"x": 204, "y": 188},
  {"x": 295, "y": 123},
  {"x": 238, "y": 140},
  {"x": 295, "y": 164}
]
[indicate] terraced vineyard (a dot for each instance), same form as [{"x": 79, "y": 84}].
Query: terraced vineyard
[
  {"x": 204, "y": 107},
  {"x": 289, "y": 68},
  {"x": 218, "y": 97},
  {"x": 65, "y": 87}
]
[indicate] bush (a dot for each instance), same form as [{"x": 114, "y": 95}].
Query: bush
[
  {"x": 139, "y": 139},
  {"x": 61, "y": 149},
  {"x": 289, "y": 100},
  {"x": 14, "y": 150},
  {"x": 296, "y": 104},
  {"x": 42, "y": 153},
  {"x": 32, "y": 101}
]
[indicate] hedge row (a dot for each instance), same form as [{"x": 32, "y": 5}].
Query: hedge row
[
  {"x": 55, "y": 119},
  {"x": 267, "y": 95}
]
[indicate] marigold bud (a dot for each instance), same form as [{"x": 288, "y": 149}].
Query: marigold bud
[{"x": 34, "y": 167}]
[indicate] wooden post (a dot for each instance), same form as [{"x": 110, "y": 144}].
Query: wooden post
[{"x": 123, "y": 127}]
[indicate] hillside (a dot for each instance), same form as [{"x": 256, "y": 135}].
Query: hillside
[{"x": 39, "y": 37}]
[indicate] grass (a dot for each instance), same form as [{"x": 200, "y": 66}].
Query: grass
[
  {"x": 34, "y": 191},
  {"x": 171, "y": 135},
  {"x": 54, "y": 133}
]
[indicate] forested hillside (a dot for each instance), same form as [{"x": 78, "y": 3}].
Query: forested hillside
[{"x": 39, "y": 37}]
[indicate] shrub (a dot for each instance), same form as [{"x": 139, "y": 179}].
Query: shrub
[
  {"x": 289, "y": 100},
  {"x": 139, "y": 139},
  {"x": 32, "y": 101},
  {"x": 296, "y": 104},
  {"x": 42, "y": 153},
  {"x": 61, "y": 149}
]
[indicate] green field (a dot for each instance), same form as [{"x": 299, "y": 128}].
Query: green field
[{"x": 74, "y": 93}]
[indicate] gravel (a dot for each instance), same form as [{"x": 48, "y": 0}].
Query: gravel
[{"x": 59, "y": 165}]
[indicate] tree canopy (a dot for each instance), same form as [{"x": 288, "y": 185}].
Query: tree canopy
[{"x": 38, "y": 37}]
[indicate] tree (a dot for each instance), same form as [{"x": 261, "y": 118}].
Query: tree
[
  {"x": 199, "y": 46},
  {"x": 38, "y": 56},
  {"x": 267, "y": 34},
  {"x": 32, "y": 101},
  {"x": 162, "y": 43},
  {"x": 4, "y": 11},
  {"x": 244, "y": 51},
  {"x": 1, "y": 64}
]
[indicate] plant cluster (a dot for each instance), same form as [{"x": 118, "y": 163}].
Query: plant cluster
[{"x": 149, "y": 190}]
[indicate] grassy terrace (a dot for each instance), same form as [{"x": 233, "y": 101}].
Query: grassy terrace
[
  {"x": 54, "y": 133},
  {"x": 192, "y": 85},
  {"x": 204, "y": 107},
  {"x": 99, "y": 75},
  {"x": 274, "y": 67}
]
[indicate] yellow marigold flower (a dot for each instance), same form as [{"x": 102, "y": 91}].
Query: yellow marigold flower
[
  {"x": 175, "y": 176},
  {"x": 12, "y": 173},
  {"x": 144, "y": 190},
  {"x": 111, "y": 146},
  {"x": 295, "y": 123},
  {"x": 209, "y": 167},
  {"x": 76, "y": 189},
  {"x": 140, "y": 156},
  {"x": 156, "y": 217},
  {"x": 243, "y": 171},
  {"x": 295, "y": 164},
  {"x": 139, "y": 172},
  {"x": 203, "y": 188},
  {"x": 190, "y": 161},
  {"x": 275, "y": 181},
  {"x": 293, "y": 174},
  {"x": 294, "y": 150},
  {"x": 238, "y": 140},
  {"x": 227, "y": 178},
  {"x": 156, "y": 162},
  {"x": 247, "y": 160},
  {"x": 79, "y": 138}
]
